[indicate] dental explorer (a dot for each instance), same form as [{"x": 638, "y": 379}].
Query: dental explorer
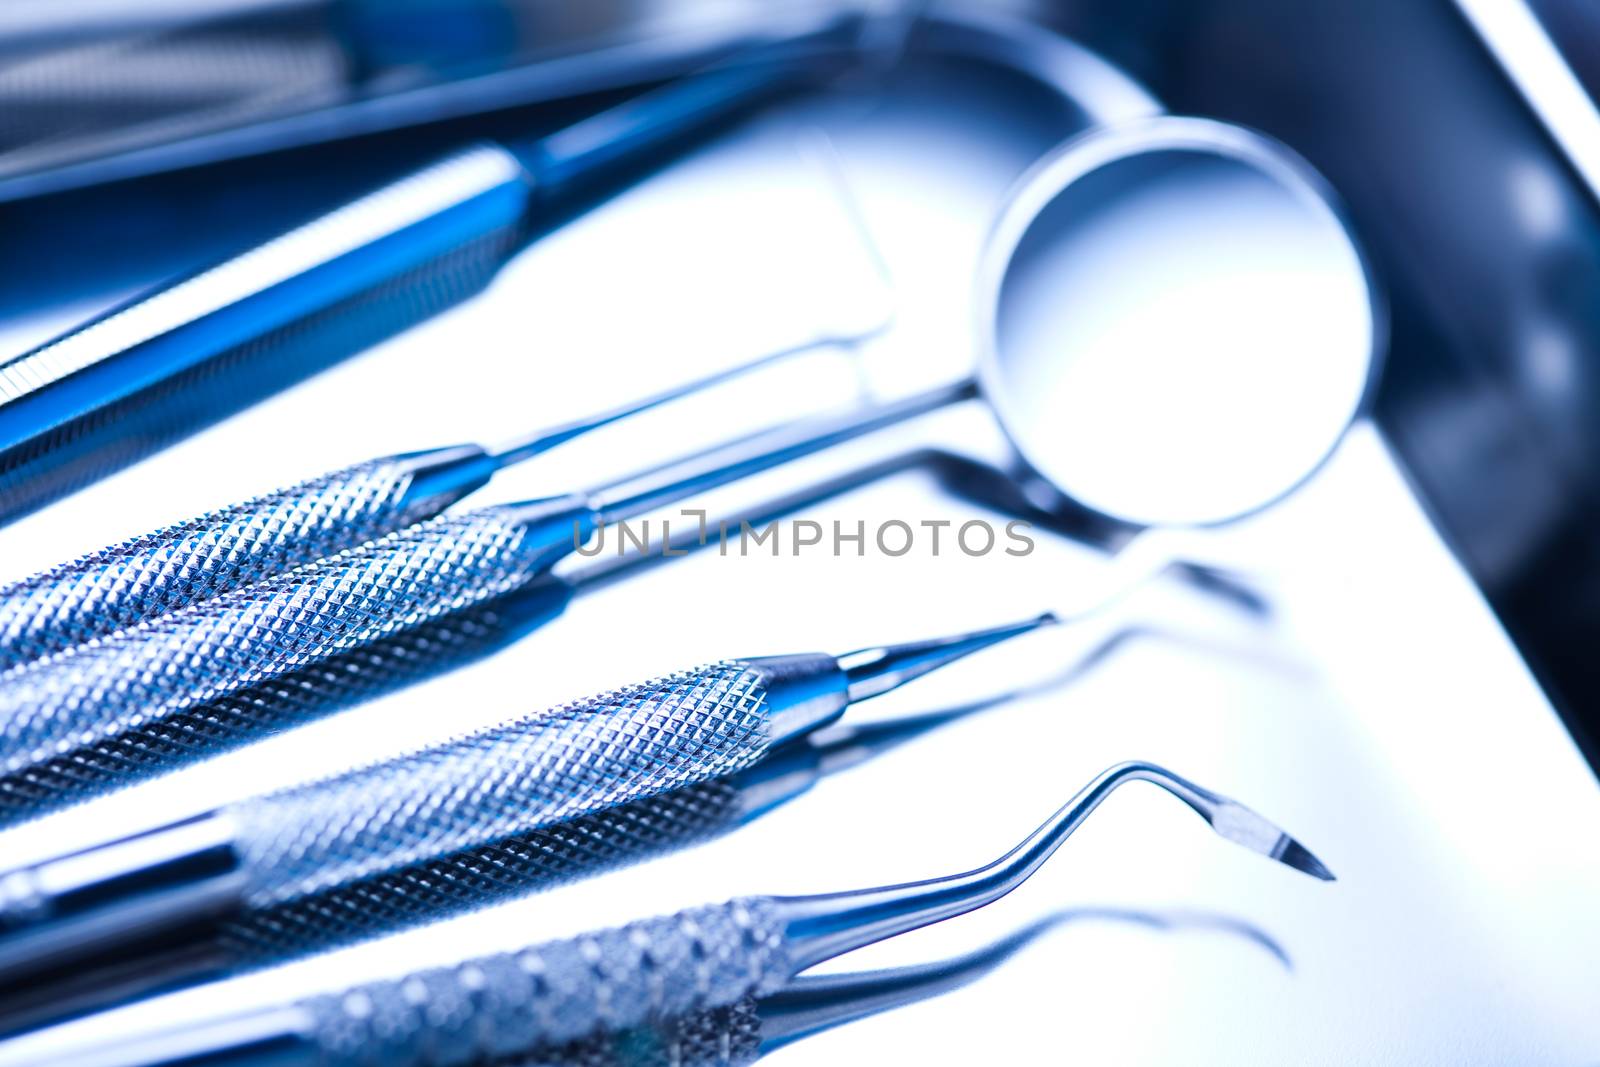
[
  {"x": 147, "y": 373},
  {"x": 87, "y": 694},
  {"x": 462, "y": 881},
  {"x": 560, "y": 991},
  {"x": 393, "y": 662},
  {"x": 512, "y": 867},
  {"x": 1031, "y": 369},
  {"x": 169, "y": 568},
  {"x": 157, "y": 572},
  {"x": 522, "y": 775}
]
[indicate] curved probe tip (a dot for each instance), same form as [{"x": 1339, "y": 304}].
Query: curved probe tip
[
  {"x": 825, "y": 926},
  {"x": 1244, "y": 827}
]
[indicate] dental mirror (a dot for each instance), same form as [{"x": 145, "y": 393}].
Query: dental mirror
[
  {"x": 1175, "y": 330},
  {"x": 1176, "y": 326}
]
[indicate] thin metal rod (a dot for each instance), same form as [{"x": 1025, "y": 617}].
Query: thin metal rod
[
  {"x": 577, "y": 155},
  {"x": 873, "y": 671},
  {"x": 811, "y": 1004},
  {"x": 822, "y": 927},
  {"x": 521, "y": 448},
  {"x": 637, "y": 494},
  {"x": 672, "y": 544}
]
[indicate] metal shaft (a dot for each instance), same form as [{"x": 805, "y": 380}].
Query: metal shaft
[
  {"x": 322, "y": 685},
  {"x": 535, "y": 996},
  {"x": 822, "y": 927},
  {"x": 176, "y": 359},
  {"x": 167, "y": 666},
  {"x": 167, "y": 335},
  {"x": 528, "y": 774},
  {"x": 448, "y": 884},
  {"x": 175, "y": 566}
]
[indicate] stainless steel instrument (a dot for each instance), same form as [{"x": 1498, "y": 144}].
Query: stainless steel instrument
[
  {"x": 175, "y": 566},
  {"x": 1042, "y": 266},
  {"x": 527, "y": 774},
  {"x": 147, "y": 373},
  {"x": 539, "y": 995},
  {"x": 738, "y": 1034},
  {"x": 91, "y": 693},
  {"x": 405, "y": 657},
  {"x": 452, "y": 884}
]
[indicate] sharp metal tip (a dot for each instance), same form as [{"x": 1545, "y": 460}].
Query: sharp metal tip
[
  {"x": 1296, "y": 855},
  {"x": 825, "y": 926},
  {"x": 874, "y": 671},
  {"x": 1242, "y": 826}
]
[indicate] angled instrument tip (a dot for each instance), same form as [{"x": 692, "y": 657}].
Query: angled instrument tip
[
  {"x": 874, "y": 671},
  {"x": 822, "y": 927},
  {"x": 1242, "y": 826},
  {"x": 1300, "y": 858}
]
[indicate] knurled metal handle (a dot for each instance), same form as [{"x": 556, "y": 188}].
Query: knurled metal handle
[
  {"x": 215, "y": 553},
  {"x": 320, "y": 688},
  {"x": 557, "y": 992},
  {"x": 461, "y": 881},
  {"x": 193, "y": 656},
  {"x": 527, "y": 774},
  {"x": 728, "y": 1036},
  {"x": 249, "y": 939}
]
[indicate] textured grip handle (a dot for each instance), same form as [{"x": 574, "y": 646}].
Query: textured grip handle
[
  {"x": 463, "y": 881},
  {"x": 525, "y": 775},
  {"x": 171, "y": 568},
  {"x": 175, "y": 662},
  {"x": 426, "y": 892},
  {"x": 320, "y": 688},
  {"x": 558, "y": 992},
  {"x": 728, "y": 1036}
]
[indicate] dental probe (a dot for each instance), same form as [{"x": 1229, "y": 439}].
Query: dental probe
[
  {"x": 559, "y": 991},
  {"x": 526, "y": 774},
  {"x": 452, "y": 884},
  {"x": 146, "y": 674},
  {"x": 175, "y": 566},
  {"x": 359, "y": 674},
  {"x": 1196, "y": 478}
]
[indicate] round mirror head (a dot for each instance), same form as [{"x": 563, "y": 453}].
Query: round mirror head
[{"x": 1178, "y": 325}]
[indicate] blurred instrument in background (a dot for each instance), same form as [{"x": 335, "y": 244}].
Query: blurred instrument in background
[
  {"x": 93, "y": 90},
  {"x": 182, "y": 356}
]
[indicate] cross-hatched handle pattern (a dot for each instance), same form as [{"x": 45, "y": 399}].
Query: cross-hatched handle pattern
[
  {"x": 179, "y": 565},
  {"x": 551, "y": 994},
  {"x": 321, "y": 688},
  {"x": 727, "y": 1036},
  {"x": 524, "y": 775},
  {"x": 463, "y": 881},
  {"x": 178, "y": 661}
]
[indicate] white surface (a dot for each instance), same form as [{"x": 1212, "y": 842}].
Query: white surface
[{"x": 1385, "y": 720}]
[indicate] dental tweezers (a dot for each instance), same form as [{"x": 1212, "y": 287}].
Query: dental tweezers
[
  {"x": 552, "y": 993},
  {"x": 528, "y": 774}
]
